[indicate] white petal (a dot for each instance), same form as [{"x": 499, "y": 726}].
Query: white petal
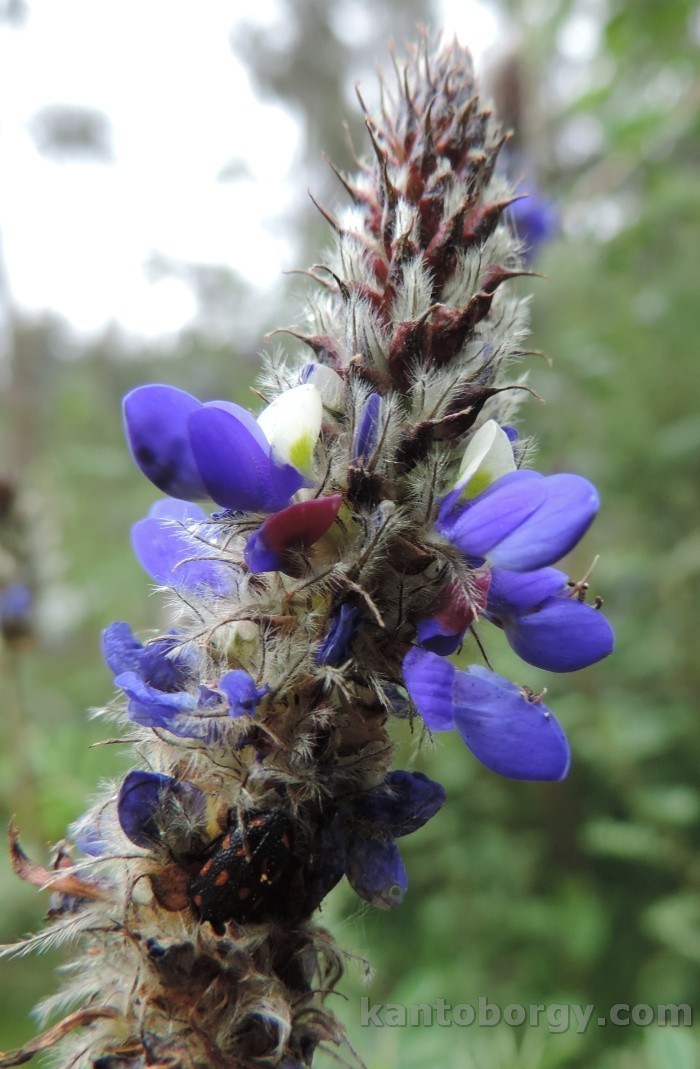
[
  {"x": 292, "y": 424},
  {"x": 329, "y": 385},
  {"x": 488, "y": 456}
]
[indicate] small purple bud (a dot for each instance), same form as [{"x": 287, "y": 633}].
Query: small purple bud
[
  {"x": 334, "y": 648},
  {"x": 367, "y": 431},
  {"x": 241, "y": 693}
]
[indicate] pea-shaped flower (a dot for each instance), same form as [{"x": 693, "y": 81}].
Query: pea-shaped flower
[
  {"x": 503, "y": 726},
  {"x": 193, "y": 450}
]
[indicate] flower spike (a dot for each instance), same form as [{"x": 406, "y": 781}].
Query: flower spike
[{"x": 368, "y": 522}]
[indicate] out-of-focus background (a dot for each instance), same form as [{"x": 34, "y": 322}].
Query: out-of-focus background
[{"x": 154, "y": 162}]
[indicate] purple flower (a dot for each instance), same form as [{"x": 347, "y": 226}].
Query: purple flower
[
  {"x": 506, "y": 729},
  {"x": 154, "y": 679},
  {"x": 543, "y": 625},
  {"x": 404, "y": 802},
  {"x": 171, "y": 544},
  {"x": 155, "y": 684},
  {"x": 145, "y": 800},
  {"x": 218, "y": 449},
  {"x": 163, "y": 664},
  {"x": 358, "y": 837},
  {"x": 523, "y": 521},
  {"x": 242, "y": 696}
]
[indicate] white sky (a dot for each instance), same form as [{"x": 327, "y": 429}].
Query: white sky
[{"x": 76, "y": 235}]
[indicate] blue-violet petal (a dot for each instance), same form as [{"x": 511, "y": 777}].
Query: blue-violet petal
[
  {"x": 560, "y": 635},
  {"x": 155, "y": 421},
  {"x": 140, "y": 797},
  {"x": 477, "y": 526},
  {"x": 173, "y": 555},
  {"x": 509, "y": 733},
  {"x": 512, "y": 592},
  {"x": 334, "y": 647},
  {"x": 241, "y": 693},
  {"x": 237, "y": 471},
  {"x": 570, "y": 505},
  {"x": 367, "y": 431},
  {"x": 430, "y": 682}
]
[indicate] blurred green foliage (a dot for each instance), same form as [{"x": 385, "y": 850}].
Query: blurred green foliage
[{"x": 586, "y": 892}]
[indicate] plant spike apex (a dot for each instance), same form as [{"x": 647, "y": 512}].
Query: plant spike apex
[{"x": 344, "y": 545}]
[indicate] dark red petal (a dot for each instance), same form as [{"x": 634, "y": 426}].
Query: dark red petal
[{"x": 302, "y": 524}]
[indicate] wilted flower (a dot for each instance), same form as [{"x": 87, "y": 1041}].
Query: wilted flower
[
  {"x": 165, "y": 664},
  {"x": 143, "y": 804},
  {"x": 358, "y": 839}
]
